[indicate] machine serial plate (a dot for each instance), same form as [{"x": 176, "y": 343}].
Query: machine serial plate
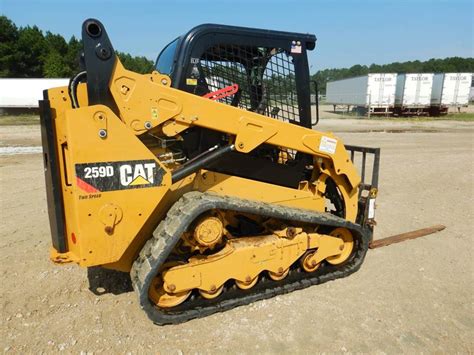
[{"x": 118, "y": 175}]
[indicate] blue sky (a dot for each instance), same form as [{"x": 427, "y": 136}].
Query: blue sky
[{"x": 349, "y": 32}]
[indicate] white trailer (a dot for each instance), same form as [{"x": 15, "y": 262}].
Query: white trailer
[
  {"x": 373, "y": 92},
  {"x": 413, "y": 94},
  {"x": 25, "y": 93},
  {"x": 450, "y": 90}
]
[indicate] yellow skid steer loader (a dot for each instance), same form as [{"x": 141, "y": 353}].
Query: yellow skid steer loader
[{"x": 204, "y": 179}]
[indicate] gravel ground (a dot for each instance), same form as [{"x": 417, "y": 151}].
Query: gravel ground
[{"x": 415, "y": 296}]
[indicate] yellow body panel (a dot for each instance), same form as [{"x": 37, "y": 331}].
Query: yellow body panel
[
  {"x": 252, "y": 255},
  {"x": 104, "y": 224}
]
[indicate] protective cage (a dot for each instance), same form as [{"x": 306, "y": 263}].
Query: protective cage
[
  {"x": 265, "y": 76},
  {"x": 270, "y": 68}
]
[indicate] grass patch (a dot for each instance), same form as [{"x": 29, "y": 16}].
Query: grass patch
[
  {"x": 466, "y": 116},
  {"x": 460, "y": 117},
  {"x": 463, "y": 117},
  {"x": 19, "y": 120}
]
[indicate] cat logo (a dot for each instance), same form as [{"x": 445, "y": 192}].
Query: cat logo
[
  {"x": 137, "y": 174},
  {"x": 118, "y": 175}
]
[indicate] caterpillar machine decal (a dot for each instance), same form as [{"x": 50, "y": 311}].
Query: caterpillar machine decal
[{"x": 204, "y": 179}]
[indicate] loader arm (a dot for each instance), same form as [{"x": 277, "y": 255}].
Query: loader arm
[{"x": 147, "y": 102}]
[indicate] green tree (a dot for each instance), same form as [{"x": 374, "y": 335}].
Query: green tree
[
  {"x": 31, "y": 53},
  {"x": 26, "y": 53},
  {"x": 56, "y": 43},
  {"x": 74, "y": 49},
  {"x": 137, "y": 64},
  {"x": 8, "y": 48},
  {"x": 54, "y": 61},
  {"x": 55, "y": 66},
  {"x": 452, "y": 64}
]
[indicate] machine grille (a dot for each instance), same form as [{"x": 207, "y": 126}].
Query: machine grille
[{"x": 265, "y": 76}]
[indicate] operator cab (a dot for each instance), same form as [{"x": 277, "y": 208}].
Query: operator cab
[
  {"x": 267, "y": 69},
  {"x": 257, "y": 70}
]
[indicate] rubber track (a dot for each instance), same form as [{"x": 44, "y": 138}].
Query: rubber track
[{"x": 184, "y": 212}]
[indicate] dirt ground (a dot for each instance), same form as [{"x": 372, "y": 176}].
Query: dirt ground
[{"x": 415, "y": 296}]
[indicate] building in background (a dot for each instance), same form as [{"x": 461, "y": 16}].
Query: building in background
[{"x": 22, "y": 95}]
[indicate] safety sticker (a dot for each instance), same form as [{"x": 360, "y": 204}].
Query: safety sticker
[
  {"x": 371, "y": 213},
  {"x": 118, "y": 175},
  {"x": 328, "y": 145},
  {"x": 191, "y": 81},
  {"x": 295, "y": 47}
]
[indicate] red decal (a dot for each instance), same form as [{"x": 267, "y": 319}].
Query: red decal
[
  {"x": 85, "y": 186},
  {"x": 220, "y": 94}
]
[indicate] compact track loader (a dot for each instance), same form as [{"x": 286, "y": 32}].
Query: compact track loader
[{"x": 204, "y": 179}]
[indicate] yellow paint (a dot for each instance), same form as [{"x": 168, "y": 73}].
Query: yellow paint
[{"x": 139, "y": 180}]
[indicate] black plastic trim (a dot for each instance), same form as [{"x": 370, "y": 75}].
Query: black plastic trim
[{"x": 52, "y": 176}]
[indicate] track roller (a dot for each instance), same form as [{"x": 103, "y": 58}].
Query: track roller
[
  {"x": 245, "y": 285},
  {"x": 211, "y": 294},
  {"x": 306, "y": 264},
  {"x": 278, "y": 276}
]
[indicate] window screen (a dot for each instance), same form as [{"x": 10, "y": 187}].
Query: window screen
[{"x": 265, "y": 76}]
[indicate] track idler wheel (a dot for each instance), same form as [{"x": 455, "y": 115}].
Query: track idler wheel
[
  {"x": 160, "y": 297},
  {"x": 347, "y": 247},
  {"x": 306, "y": 263}
]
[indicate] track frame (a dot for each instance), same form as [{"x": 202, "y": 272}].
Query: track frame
[{"x": 186, "y": 210}]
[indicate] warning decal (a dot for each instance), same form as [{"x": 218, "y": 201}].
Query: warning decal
[
  {"x": 328, "y": 145},
  {"x": 118, "y": 175},
  {"x": 295, "y": 47}
]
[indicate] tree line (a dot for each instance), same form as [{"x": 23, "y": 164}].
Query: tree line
[
  {"x": 27, "y": 52},
  {"x": 447, "y": 65}
]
